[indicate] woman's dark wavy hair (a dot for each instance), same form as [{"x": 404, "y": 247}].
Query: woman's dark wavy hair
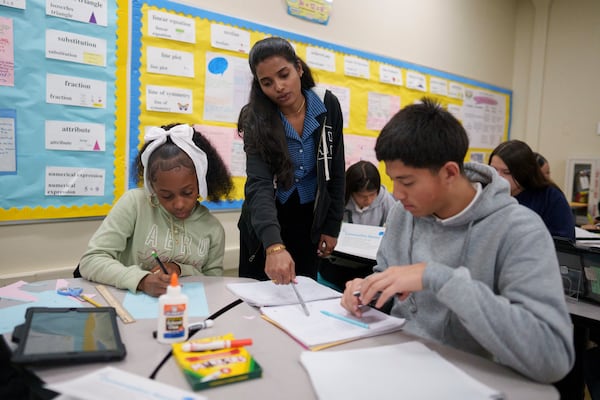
[
  {"x": 259, "y": 122},
  {"x": 169, "y": 155},
  {"x": 522, "y": 164},
  {"x": 360, "y": 176}
]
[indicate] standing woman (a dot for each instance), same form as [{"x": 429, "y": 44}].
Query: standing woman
[
  {"x": 515, "y": 161},
  {"x": 294, "y": 193}
]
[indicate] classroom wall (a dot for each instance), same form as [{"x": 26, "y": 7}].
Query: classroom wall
[{"x": 529, "y": 46}]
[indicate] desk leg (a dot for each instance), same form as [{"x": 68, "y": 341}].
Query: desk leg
[{"x": 572, "y": 386}]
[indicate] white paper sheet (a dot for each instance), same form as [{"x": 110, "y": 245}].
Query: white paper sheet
[
  {"x": 401, "y": 371},
  {"x": 266, "y": 293},
  {"x": 113, "y": 383},
  {"x": 359, "y": 240}
]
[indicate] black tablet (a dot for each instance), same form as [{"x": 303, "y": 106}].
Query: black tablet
[{"x": 54, "y": 336}]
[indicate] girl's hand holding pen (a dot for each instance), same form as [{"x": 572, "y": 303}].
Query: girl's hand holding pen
[
  {"x": 154, "y": 284},
  {"x": 171, "y": 268}
]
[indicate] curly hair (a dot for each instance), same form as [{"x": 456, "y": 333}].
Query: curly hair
[{"x": 169, "y": 155}]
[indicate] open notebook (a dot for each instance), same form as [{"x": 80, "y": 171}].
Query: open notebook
[
  {"x": 266, "y": 293},
  {"x": 318, "y": 330}
]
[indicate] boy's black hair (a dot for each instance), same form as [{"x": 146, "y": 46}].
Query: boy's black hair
[{"x": 423, "y": 135}]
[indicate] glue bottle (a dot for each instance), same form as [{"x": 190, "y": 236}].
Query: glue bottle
[{"x": 172, "y": 314}]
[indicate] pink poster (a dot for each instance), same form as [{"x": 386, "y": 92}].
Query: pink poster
[{"x": 7, "y": 54}]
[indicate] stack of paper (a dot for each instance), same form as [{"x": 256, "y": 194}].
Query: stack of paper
[
  {"x": 318, "y": 330},
  {"x": 266, "y": 293},
  {"x": 407, "y": 370}
]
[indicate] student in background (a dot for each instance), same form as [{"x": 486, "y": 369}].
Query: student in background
[
  {"x": 294, "y": 193},
  {"x": 515, "y": 161},
  {"x": 464, "y": 263},
  {"x": 543, "y": 163},
  {"x": 179, "y": 167},
  {"x": 367, "y": 203}
]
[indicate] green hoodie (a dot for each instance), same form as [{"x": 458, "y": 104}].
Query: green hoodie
[{"x": 120, "y": 252}]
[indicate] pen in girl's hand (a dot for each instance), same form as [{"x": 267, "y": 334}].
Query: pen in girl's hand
[{"x": 160, "y": 264}]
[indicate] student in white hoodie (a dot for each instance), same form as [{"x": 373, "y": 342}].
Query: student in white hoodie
[
  {"x": 368, "y": 202},
  {"x": 464, "y": 263}
]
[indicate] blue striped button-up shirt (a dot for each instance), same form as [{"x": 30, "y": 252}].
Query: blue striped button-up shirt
[{"x": 303, "y": 151}]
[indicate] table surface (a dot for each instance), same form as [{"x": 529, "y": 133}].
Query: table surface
[{"x": 277, "y": 353}]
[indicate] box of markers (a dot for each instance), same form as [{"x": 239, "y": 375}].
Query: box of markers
[{"x": 211, "y": 368}]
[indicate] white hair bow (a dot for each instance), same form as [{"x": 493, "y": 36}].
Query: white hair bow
[{"x": 182, "y": 136}]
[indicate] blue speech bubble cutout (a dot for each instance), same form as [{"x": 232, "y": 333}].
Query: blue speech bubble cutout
[{"x": 218, "y": 65}]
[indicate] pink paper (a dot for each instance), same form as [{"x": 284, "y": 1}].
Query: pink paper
[{"x": 14, "y": 292}]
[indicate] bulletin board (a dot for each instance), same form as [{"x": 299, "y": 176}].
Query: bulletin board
[
  {"x": 211, "y": 73},
  {"x": 61, "y": 155},
  {"x": 167, "y": 63}
]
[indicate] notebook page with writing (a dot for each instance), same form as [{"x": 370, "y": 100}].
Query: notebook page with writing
[
  {"x": 319, "y": 331},
  {"x": 401, "y": 371},
  {"x": 266, "y": 293}
]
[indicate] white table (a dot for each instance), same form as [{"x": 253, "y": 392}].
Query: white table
[{"x": 277, "y": 353}]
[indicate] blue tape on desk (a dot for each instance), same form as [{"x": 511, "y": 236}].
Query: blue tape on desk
[
  {"x": 15, "y": 314},
  {"x": 143, "y": 306}
]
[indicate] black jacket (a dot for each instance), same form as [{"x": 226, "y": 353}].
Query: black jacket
[{"x": 258, "y": 222}]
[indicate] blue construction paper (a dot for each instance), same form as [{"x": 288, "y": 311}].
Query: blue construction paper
[
  {"x": 143, "y": 306},
  {"x": 15, "y": 315}
]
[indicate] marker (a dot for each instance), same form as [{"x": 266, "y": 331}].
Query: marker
[
  {"x": 345, "y": 319},
  {"x": 161, "y": 265},
  {"x": 216, "y": 345},
  {"x": 207, "y": 323},
  {"x": 195, "y": 327}
]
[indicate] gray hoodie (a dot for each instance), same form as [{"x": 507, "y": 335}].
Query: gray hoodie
[
  {"x": 492, "y": 284},
  {"x": 377, "y": 212}
]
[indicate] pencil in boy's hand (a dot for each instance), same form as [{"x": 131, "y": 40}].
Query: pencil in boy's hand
[{"x": 162, "y": 266}]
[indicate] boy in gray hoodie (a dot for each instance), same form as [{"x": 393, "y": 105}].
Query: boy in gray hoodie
[{"x": 465, "y": 264}]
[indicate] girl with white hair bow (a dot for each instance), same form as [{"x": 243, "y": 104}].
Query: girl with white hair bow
[{"x": 164, "y": 220}]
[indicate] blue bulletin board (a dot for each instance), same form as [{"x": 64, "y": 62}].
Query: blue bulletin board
[{"x": 57, "y": 116}]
